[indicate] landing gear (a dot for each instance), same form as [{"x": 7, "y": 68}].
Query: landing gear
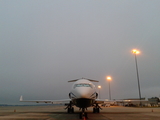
[
  {"x": 83, "y": 115},
  {"x": 69, "y": 108},
  {"x": 96, "y": 108},
  {"x": 72, "y": 109}
]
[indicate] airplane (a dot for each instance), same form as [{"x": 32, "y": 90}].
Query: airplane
[{"x": 82, "y": 95}]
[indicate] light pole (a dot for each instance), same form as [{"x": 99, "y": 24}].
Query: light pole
[
  {"x": 109, "y": 79},
  {"x": 135, "y": 52},
  {"x": 99, "y": 87}
]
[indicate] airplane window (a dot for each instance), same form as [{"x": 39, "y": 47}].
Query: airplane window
[{"x": 82, "y": 85}]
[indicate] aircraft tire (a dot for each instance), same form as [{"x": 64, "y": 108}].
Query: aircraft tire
[
  {"x": 80, "y": 115},
  {"x": 68, "y": 110},
  {"x": 72, "y": 109},
  {"x": 94, "y": 110},
  {"x": 86, "y": 116},
  {"x": 97, "y": 110}
]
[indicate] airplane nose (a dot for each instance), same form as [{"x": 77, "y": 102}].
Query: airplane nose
[{"x": 83, "y": 93}]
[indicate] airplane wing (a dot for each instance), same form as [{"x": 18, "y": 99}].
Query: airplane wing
[
  {"x": 105, "y": 101},
  {"x": 132, "y": 101},
  {"x": 46, "y": 101}
]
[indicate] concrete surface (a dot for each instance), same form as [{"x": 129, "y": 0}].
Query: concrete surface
[{"x": 58, "y": 113}]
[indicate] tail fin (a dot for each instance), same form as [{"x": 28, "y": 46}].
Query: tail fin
[{"x": 21, "y": 98}]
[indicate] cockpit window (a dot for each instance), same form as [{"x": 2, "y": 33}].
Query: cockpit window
[{"x": 82, "y": 85}]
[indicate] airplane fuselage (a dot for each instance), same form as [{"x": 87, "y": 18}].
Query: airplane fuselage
[{"x": 83, "y": 93}]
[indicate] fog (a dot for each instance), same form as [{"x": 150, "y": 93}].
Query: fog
[{"x": 44, "y": 44}]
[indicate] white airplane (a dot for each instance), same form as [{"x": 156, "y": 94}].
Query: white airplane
[{"x": 83, "y": 95}]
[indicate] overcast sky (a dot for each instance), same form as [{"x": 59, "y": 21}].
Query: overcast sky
[{"x": 45, "y": 43}]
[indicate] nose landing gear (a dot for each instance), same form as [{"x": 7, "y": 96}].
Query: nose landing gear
[{"x": 83, "y": 115}]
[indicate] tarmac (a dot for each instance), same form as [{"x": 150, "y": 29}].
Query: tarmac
[{"x": 58, "y": 113}]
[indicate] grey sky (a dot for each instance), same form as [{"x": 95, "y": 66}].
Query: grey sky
[{"x": 43, "y": 44}]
